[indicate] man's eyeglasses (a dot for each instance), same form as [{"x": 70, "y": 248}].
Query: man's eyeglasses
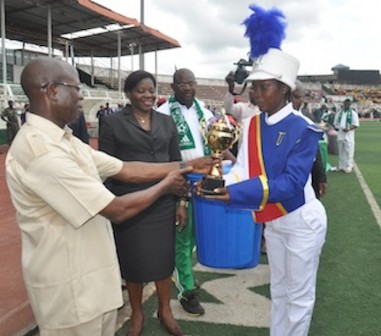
[
  {"x": 75, "y": 86},
  {"x": 185, "y": 85}
]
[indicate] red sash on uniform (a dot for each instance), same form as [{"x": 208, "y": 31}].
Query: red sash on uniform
[{"x": 267, "y": 211}]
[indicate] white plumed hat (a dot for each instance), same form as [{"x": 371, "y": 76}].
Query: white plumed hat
[
  {"x": 266, "y": 30},
  {"x": 275, "y": 64}
]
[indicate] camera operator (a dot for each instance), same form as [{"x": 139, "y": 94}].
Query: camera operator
[{"x": 239, "y": 110}]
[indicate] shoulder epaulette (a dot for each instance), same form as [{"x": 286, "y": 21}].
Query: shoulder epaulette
[{"x": 37, "y": 144}]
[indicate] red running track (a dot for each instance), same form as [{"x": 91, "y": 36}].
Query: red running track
[{"x": 16, "y": 316}]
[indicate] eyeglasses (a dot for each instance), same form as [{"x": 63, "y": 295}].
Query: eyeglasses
[
  {"x": 185, "y": 85},
  {"x": 75, "y": 86}
]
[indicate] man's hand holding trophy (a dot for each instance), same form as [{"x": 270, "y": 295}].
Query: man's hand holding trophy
[{"x": 221, "y": 136}]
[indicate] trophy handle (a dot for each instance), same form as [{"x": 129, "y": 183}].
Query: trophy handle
[{"x": 237, "y": 133}]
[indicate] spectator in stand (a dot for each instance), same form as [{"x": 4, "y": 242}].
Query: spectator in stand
[
  {"x": 9, "y": 115},
  {"x": 327, "y": 115},
  {"x": 330, "y": 117},
  {"x": 100, "y": 114},
  {"x": 23, "y": 113},
  {"x": 160, "y": 101},
  {"x": 145, "y": 243},
  {"x": 346, "y": 121},
  {"x": 306, "y": 111},
  {"x": 318, "y": 113},
  {"x": 100, "y": 111},
  {"x": 63, "y": 209},
  {"x": 319, "y": 177},
  {"x": 119, "y": 107},
  {"x": 376, "y": 114},
  {"x": 108, "y": 110}
]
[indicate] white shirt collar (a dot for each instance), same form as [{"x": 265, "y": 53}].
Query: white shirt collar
[
  {"x": 279, "y": 115},
  {"x": 47, "y": 127}
]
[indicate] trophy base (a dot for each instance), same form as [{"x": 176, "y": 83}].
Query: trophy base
[{"x": 210, "y": 183}]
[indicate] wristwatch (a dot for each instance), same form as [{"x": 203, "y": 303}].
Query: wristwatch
[{"x": 183, "y": 203}]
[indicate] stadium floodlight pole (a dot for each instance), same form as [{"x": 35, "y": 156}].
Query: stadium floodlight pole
[
  {"x": 4, "y": 52},
  {"x": 132, "y": 45},
  {"x": 142, "y": 11},
  {"x": 92, "y": 68},
  {"x": 141, "y": 57},
  {"x": 66, "y": 50},
  {"x": 49, "y": 24},
  {"x": 119, "y": 60},
  {"x": 111, "y": 71},
  {"x": 156, "y": 74},
  {"x": 141, "y": 53}
]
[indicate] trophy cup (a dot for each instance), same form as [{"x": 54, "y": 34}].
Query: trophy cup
[{"x": 220, "y": 137}]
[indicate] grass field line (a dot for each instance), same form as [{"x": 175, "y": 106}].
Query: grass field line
[{"x": 368, "y": 195}]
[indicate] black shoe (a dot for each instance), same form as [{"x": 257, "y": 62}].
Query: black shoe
[
  {"x": 173, "y": 329},
  {"x": 191, "y": 304}
]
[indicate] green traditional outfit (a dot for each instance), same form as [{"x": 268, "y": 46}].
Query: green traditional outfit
[{"x": 346, "y": 119}]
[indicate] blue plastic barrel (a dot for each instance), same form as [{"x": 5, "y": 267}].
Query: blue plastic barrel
[{"x": 225, "y": 238}]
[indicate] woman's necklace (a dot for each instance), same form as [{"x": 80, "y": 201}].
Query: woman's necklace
[{"x": 143, "y": 119}]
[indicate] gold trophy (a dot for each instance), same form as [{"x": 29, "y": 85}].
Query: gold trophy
[{"x": 220, "y": 137}]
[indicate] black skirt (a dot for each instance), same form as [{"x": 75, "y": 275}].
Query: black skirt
[{"x": 146, "y": 243}]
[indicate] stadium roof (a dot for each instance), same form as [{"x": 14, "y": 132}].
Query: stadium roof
[{"x": 27, "y": 21}]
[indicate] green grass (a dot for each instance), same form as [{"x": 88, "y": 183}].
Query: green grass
[
  {"x": 349, "y": 282},
  {"x": 152, "y": 326},
  {"x": 349, "y": 286},
  {"x": 368, "y": 155}
]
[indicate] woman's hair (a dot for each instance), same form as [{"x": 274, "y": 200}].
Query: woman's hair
[{"x": 135, "y": 77}]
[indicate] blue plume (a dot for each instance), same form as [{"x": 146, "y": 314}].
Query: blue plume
[{"x": 265, "y": 29}]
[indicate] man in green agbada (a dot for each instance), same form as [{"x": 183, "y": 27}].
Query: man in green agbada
[
  {"x": 346, "y": 121},
  {"x": 190, "y": 117}
]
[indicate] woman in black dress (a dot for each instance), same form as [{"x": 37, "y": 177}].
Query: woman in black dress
[{"x": 146, "y": 242}]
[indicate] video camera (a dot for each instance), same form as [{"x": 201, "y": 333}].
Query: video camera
[{"x": 241, "y": 73}]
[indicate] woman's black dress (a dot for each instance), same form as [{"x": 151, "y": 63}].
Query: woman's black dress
[{"x": 146, "y": 242}]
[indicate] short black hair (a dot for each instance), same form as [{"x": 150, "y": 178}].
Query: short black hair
[{"x": 135, "y": 77}]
